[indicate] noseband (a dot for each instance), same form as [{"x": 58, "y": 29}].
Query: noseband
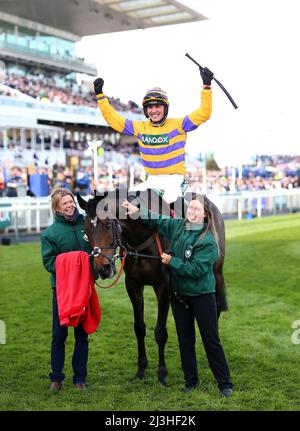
[{"x": 117, "y": 244}]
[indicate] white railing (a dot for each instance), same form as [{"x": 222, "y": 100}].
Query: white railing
[
  {"x": 25, "y": 213},
  {"x": 34, "y": 214},
  {"x": 258, "y": 203},
  {"x": 14, "y": 110}
]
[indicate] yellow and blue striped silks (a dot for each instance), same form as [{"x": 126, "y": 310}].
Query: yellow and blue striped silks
[{"x": 162, "y": 148}]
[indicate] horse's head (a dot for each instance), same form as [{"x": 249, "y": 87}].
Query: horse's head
[{"x": 103, "y": 234}]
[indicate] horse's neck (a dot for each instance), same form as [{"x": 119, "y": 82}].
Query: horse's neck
[{"x": 135, "y": 232}]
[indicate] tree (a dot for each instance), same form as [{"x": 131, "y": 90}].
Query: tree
[{"x": 211, "y": 164}]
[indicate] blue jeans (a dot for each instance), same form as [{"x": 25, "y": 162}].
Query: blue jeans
[{"x": 80, "y": 353}]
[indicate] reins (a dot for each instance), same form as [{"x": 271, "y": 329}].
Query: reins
[
  {"x": 130, "y": 253},
  {"x": 119, "y": 275},
  {"x": 117, "y": 242},
  {"x": 144, "y": 245}
]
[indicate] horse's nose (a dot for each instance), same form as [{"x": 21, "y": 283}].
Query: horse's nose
[{"x": 107, "y": 271}]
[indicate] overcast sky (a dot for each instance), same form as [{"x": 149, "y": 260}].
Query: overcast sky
[{"x": 252, "y": 46}]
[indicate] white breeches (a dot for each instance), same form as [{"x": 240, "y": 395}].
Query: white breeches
[{"x": 171, "y": 185}]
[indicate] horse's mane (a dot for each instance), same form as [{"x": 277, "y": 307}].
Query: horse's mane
[{"x": 150, "y": 199}]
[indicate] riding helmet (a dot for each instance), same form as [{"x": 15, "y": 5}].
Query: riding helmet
[{"x": 156, "y": 96}]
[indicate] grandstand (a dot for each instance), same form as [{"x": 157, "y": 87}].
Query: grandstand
[
  {"x": 49, "y": 119},
  {"x": 48, "y": 113}
]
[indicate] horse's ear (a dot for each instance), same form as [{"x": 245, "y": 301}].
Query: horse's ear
[
  {"x": 81, "y": 202},
  {"x": 99, "y": 197}
]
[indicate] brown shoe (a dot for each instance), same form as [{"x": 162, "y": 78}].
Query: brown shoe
[
  {"x": 80, "y": 386},
  {"x": 55, "y": 386}
]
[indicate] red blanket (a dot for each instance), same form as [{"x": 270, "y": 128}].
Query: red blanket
[{"x": 77, "y": 299}]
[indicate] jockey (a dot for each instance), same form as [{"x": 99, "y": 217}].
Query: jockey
[{"x": 161, "y": 140}]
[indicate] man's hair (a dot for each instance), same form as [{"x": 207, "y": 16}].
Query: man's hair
[{"x": 56, "y": 197}]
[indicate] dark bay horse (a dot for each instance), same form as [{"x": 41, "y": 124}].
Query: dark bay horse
[{"x": 108, "y": 229}]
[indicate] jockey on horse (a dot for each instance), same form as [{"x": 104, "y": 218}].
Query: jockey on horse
[
  {"x": 162, "y": 150},
  {"x": 161, "y": 140}
]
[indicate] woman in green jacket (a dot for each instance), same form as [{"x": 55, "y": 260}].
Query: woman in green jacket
[
  {"x": 64, "y": 235},
  {"x": 194, "y": 246}
]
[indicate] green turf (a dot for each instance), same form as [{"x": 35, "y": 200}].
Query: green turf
[{"x": 263, "y": 286}]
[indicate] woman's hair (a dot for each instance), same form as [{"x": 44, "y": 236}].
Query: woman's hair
[
  {"x": 212, "y": 227},
  {"x": 210, "y": 220},
  {"x": 56, "y": 197}
]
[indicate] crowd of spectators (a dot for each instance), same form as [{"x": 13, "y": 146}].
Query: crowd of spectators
[
  {"x": 267, "y": 173},
  {"x": 57, "y": 88},
  {"x": 72, "y": 145},
  {"x": 76, "y": 180},
  {"x": 284, "y": 173},
  {"x": 218, "y": 182}
]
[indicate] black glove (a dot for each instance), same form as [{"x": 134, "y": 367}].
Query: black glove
[
  {"x": 206, "y": 75},
  {"x": 98, "y": 85}
]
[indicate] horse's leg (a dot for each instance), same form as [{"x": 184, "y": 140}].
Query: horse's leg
[
  {"x": 161, "y": 334},
  {"x": 136, "y": 294}
]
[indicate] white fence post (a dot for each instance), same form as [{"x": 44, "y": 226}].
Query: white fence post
[
  {"x": 259, "y": 207},
  {"x": 28, "y": 218},
  {"x": 2, "y": 332},
  {"x": 38, "y": 217},
  {"x": 240, "y": 212}
]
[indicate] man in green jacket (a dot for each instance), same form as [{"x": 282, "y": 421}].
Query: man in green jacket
[
  {"x": 194, "y": 245},
  {"x": 64, "y": 235}
]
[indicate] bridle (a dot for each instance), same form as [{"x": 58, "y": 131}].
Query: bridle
[
  {"x": 121, "y": 250},
  {"x": 116, "y": 245}
]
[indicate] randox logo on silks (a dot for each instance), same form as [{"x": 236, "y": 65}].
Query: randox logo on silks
[{"x": 155, "y": 139}]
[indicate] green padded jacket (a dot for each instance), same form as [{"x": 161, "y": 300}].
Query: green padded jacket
[{"x": 191, "y": 265}]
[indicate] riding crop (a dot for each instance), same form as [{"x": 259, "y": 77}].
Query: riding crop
[{"x": 218, "y": 82}]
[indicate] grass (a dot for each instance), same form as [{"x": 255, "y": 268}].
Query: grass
[{"x": 262, "y": 274}]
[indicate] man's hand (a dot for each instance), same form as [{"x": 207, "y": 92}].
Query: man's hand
[
  {"x": 165, "y": 258},
  {"x": 98, "y": 85},
  {"x": 131, "y": 209},
  {"x": 206, "y": 75}
]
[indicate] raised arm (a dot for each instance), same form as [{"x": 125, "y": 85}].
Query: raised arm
[
  {"x": 203, "y": 113},
  {"x": 116, "y": 121}
]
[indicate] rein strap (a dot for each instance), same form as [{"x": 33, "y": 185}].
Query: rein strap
[
  {"x": 119, "y": 275},
  {"x": 158, "y": 243}
]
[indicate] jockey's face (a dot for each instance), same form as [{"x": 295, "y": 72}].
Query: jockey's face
[
  {"x": 195, "y": 212},
  {"x": 66, "y": 205},
  {"x": 155, "y": 113}
]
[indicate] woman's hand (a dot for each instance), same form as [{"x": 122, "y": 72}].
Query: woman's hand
[
  {"x": 165, "y": 258},
  {"x": 131, "y": 209}
]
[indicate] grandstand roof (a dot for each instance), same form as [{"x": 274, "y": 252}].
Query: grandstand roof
[{"x": 87, "y": 17}]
